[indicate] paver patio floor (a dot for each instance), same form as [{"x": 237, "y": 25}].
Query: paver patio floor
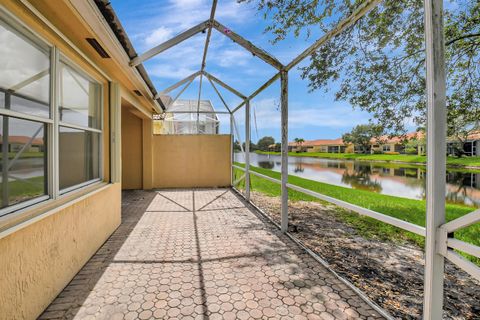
[{"x": 202, "y": 254}]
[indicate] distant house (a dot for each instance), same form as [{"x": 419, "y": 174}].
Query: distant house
[
  {"x": 322, "y": 145},
  {"x": 181, "y": 118},
  {"x": 385, "y": 143},
  {"x": 16, "y": 143},
  {"x": 471, "y": 146},
  {"x": 275, "y": 147}
]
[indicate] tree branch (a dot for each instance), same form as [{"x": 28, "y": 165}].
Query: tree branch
[{"x": 465, "y": 36}]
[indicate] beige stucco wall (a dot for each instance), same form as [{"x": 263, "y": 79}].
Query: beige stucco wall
[
  {"x": 38, "y": 261},
  {"x": 184, "y": 161},
  {"x": 132, "y": 163},
  {"x": 42, "y": 247}
]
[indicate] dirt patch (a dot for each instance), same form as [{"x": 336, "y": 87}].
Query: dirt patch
[{"x": 391, "y": 274}]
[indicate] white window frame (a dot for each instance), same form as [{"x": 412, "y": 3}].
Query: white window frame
[
  {"x": 67, "y": 61},
  {"x": 21, "y": 30},
  {"x": 52, "y": 123}
]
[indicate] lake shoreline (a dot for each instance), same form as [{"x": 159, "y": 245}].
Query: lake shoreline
[
  {"x": 371, "y": 158},
  {"x": 410, "y": 210}
]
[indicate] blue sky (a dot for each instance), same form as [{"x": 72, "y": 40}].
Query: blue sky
[{"x": 312, "y": 115}]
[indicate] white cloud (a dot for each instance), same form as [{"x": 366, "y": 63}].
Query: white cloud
[
  {"x": 186, "y": 4},
  {"x": 179, "y": 15},
  {"x": 336, "y": 117},
  {"x": 223, "y": 55},
  {"x": 153, "y": 24},
  {"x": 171, "y": 72},
  {"x": 158, "y": 36},
  {"x": 229, "y": 57},
  {"x": 187, "y": 13}
]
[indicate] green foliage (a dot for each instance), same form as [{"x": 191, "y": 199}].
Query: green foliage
[
  {"x": 264, "y": 142},
  {"x": 411, "y": 150},
  {"x": 25, "y": 155},
  {"x": 412, "y": 146},
  {"x": 379, "y": 62},
  {"x": 299, "y": 142},
  {"x": 362, "y": 135},
  {"x": 236, "y": 146},
  {"x": 253, "y": 146}
]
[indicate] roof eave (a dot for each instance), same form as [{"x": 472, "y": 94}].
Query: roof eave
[{"x": 104, "y": 6}]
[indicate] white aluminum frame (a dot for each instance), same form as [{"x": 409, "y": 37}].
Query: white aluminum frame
[
  {"x": 247, "y": 150},
  {"x": 436, "y": 157},
  {"x": 438, "y": 245},
  {"x": 22, "y": 30}
]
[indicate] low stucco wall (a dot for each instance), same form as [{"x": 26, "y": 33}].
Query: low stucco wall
[
  {"x": 38, "y": 261},
  {"x": 186, "y": 161},
  {"x": 132, "y": 153}
]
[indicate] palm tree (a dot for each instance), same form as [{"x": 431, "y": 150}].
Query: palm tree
[{"x": 299, "y": 142}]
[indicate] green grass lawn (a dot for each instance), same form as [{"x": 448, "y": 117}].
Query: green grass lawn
[
  {"x": 451, "y": 161},
  {"x": 20, "y": 190},
  {"x": 406, "y": 209},
  {"x": 24, "y": 155}
]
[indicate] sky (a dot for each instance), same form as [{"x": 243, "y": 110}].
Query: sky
[{"x": 312, "y": 115}]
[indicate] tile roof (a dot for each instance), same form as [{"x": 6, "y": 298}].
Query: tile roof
[{"x": 23, "y": 140}]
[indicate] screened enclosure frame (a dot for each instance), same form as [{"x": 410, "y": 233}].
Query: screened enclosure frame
[{"x": 439, "y": 243}]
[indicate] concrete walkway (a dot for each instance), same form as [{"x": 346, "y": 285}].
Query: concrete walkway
[{"x": 202, "y": 255}]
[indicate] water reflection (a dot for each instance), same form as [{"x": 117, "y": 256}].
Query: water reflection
[
  {"x": 266, "y": 164},
  {"x": 298, "y": 168},
  {"x": 406, "y": 181},
  {"x": 360, "y": 178}
]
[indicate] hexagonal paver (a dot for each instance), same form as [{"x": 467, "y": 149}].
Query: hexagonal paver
[{"x": 193, "y": 254}]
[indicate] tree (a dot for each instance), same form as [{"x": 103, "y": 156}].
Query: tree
[
  {"x": 417, "y": 143},
  {"x": 379, "y": 62},
  {"x": 264, "y": 142},
  {"x": 461, "y": 126},
  {"x": 299, "y": 142},
  {"x": 236, "y": 146},
  {"x": 362, "y": 135},
  {"x": 278, "y": 147},
  {"x": 253, "y": 146}
]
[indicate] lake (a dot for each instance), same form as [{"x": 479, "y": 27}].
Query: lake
[{"x": 401, "y": 180}]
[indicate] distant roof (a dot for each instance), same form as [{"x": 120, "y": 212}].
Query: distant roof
[
  {"x": 473, "y": 136},
  {"x": 319, "y": 142},
  {"x": 23, "y": 140},
  {"x": 382, "y": 139},
  {"x": 191, "y": 106},
  {"x": 399, "y": 139}
]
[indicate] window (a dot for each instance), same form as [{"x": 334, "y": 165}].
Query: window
[
  {"x": 80, "y": 123},
  {"x": 23, "y": 160},
  {"x": 79, "y": 99},
  {"x": 79, "y": 156},
  {"x": 24, "y": 117},
  {"x": 30, "y": 123},
  {"x": 386, "y": 148}
]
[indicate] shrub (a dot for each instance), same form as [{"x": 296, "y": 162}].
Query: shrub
[{"x": 411, "y": 150}]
